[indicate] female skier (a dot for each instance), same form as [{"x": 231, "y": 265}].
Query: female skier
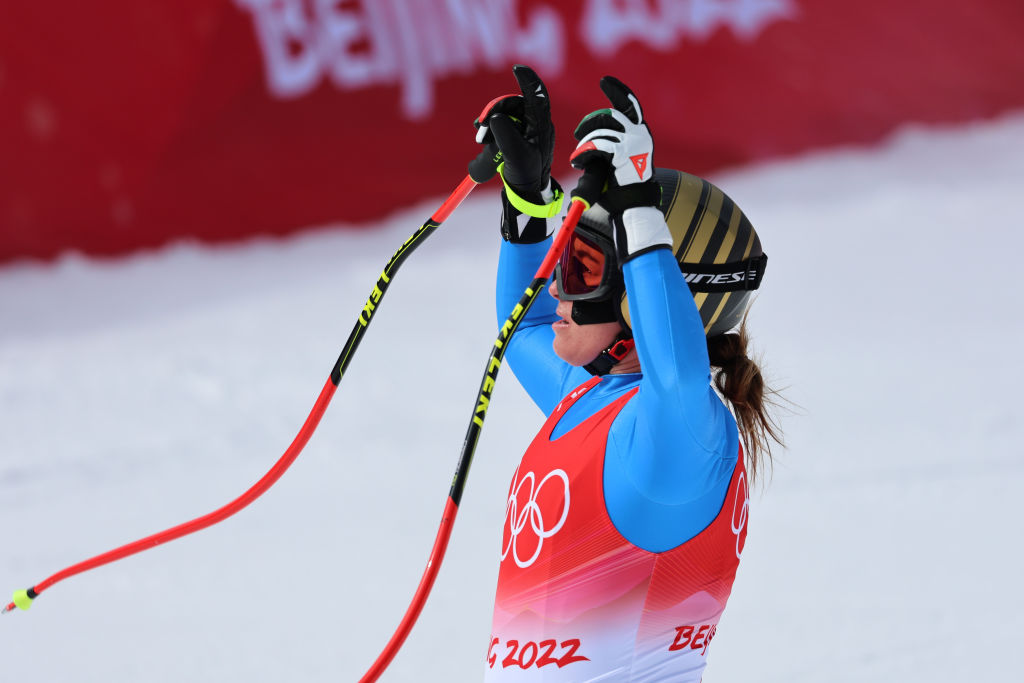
[{"x": 627, "y": 515}]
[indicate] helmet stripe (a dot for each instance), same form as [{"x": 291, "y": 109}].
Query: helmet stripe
[
  {"x": 750, "y": 243},
  {"x": 745, "y": 241},
  {"x": 718, "y": 311},
  {"x": 671, "y": 194},
  {"x": 720, "y": 232},
  {"x": 695, "y": 251},
  {"x": 696, "y": 216},
  {"x": 722, "y": 255}
]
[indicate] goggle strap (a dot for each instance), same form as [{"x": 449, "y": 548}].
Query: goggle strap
[{"x": 725, "y": 277}]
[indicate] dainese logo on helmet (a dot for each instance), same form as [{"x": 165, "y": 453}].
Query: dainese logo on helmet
[{"x": 712, "y": 279}]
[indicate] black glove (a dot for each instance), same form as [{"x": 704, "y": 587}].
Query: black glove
[
  {"x": 517, "y": 130},
  {"x": 620, "y": 139}
]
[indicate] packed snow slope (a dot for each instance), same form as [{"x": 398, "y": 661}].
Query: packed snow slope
[{"x": 138, "y": 393}]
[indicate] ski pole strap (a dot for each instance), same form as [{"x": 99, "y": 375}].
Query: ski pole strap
[{"x": 549, "y": 210}]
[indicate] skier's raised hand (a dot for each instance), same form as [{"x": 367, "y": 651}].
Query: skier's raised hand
[
  {"x": 620, "y": 139},
  {"x": 619, "y": 136},
  {"x": 516, "y": 130}
]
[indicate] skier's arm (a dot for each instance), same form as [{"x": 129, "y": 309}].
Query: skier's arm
[
  {"x": 672, "y": 349},
  {"x": 678, "y": 413},
  {"x": 672, "y": 448},
  {"x": 519, "y": 127}
]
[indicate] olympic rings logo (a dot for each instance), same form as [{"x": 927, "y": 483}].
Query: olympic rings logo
[
  {"x": 740, "y": 506},
  {"x": 517, "y": 519}
]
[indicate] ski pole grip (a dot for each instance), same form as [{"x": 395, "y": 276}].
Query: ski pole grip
[
  {"x": 591, "y": 184},
  {"x": 485, "y": 165}
]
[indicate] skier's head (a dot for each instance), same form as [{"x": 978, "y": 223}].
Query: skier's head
[
  {"x": 720, "y": 256},
  {"x": 716, "y": 246},
  {"x": 582, "y": 345}
]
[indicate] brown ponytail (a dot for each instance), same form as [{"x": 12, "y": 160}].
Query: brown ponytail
[{"x": 738, "y": 379}]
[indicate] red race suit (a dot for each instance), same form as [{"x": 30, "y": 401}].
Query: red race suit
[{"x": 578, "y": 602}]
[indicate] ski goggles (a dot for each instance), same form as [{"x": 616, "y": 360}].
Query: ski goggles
[{"x": 586, "y": 268}]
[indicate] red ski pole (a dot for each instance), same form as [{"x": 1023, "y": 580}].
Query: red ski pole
[
  {"x": 586, "y": 192},
  {"x": 23, "y": 598}
]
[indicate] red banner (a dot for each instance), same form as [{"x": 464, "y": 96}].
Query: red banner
[{"x": 127, "y": 124}]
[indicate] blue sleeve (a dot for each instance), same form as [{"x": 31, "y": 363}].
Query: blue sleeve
[
  {"x": 544, "y": 376},
  {"x": 672, "y": 450}
]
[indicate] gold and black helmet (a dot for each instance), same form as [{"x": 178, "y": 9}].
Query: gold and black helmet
[{"x": 716, "y": 246}]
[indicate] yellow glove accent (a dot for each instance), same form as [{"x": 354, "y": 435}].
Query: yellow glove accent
[{"x": 536, "y": 210}]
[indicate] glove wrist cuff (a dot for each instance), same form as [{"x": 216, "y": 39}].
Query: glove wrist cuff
[
  {"x": 520, "y": 228},
  {"x": 639, "y": 230},
  {"x": 552, "y": 195},
  {"x": 635, "y": 195}
]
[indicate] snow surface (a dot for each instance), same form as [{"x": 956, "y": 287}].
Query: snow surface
[{"x": 138, "y": 393}]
